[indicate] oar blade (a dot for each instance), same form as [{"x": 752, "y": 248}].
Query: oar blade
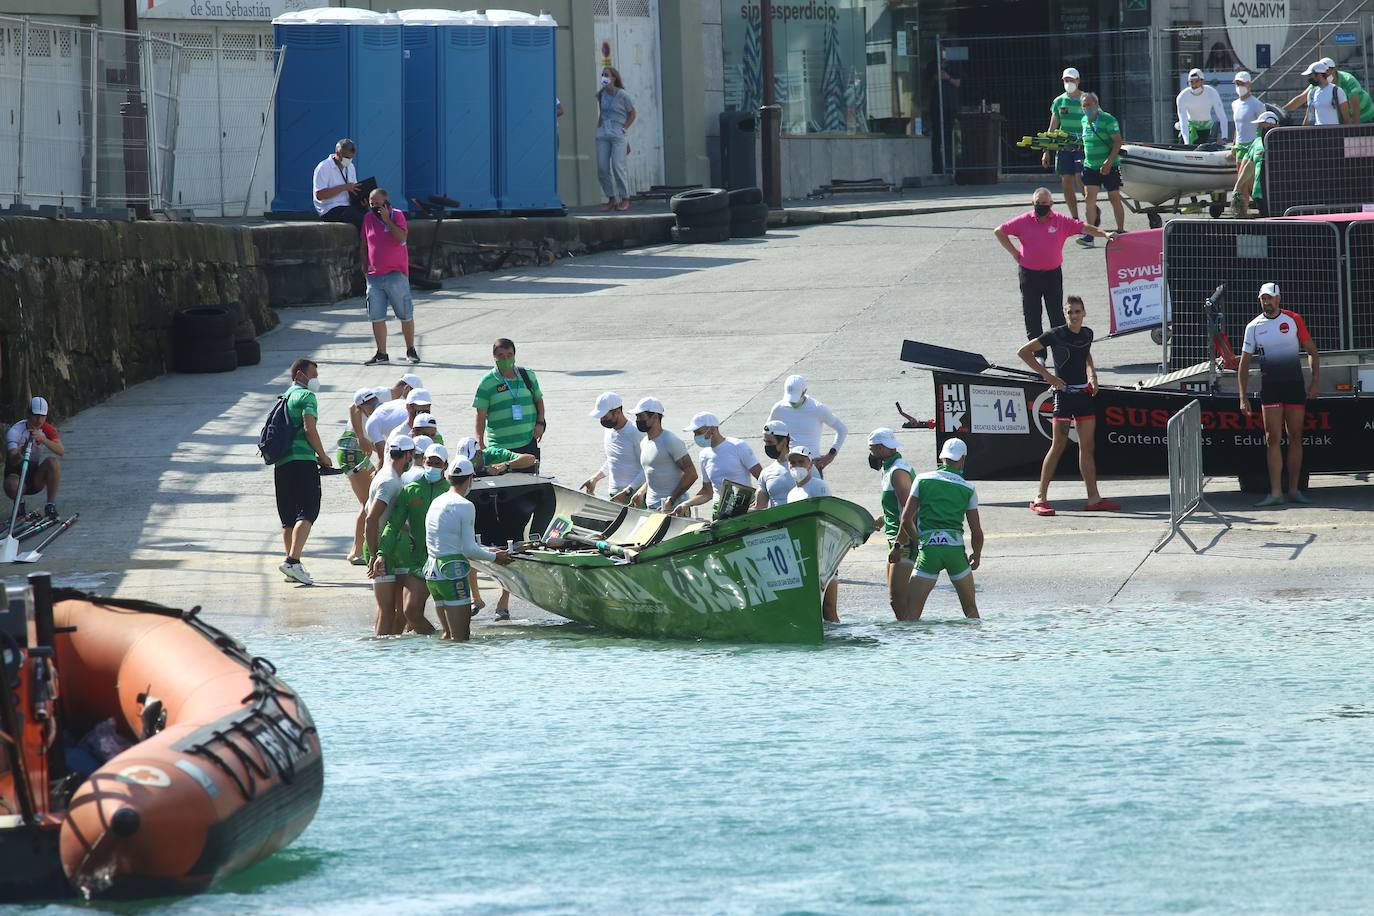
[{"x": 924, "y": 354}]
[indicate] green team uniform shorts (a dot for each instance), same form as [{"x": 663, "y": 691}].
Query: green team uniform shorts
[
  {"x": 447, "y": 578},
  {"x": 909, "y": 555},
  {"x": 932, "y": 558},
  {"x": 397, "y": 562}
]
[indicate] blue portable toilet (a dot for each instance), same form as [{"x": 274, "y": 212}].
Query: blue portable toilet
[
  {"x": 526, "y": 122},
  {"x": 341, "y": 76},
  {"x": 449, "y": 104}
]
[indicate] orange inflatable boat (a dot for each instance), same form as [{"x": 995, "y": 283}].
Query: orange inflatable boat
[{"x": 221, "y": 765}]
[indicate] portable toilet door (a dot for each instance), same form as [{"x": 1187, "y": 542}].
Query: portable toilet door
[
  {"x": 376, "y": 95},
  {"x": 449, "y": 107},
  {"x": 315, "y": 105},
  {"x": 526, "y": 120}
]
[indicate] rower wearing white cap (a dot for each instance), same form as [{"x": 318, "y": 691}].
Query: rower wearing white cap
[
  {"x": 898, "y": 477},
  {"x": 1279, "y": 337},
  {"x": 390, "y": 415},
  {"x": 1359, "y": 107},
  {"x": 403, "y": 536},
  {"x": 775, "y": 481},
  {"x": 722, "y": 458},
  {"x": 668, "y": 469},
  {"x": 45, "y": 468},
  {"x": 1252, "y": 187},
  {"x": 621, "y": 443},
  {"x": 1326, "y": 102},
  {"x": 450, "y": 541},
  {"x": 1201, "y": 116},
  {"x": 806, "y": 483},
  {"x": 353, "y": 454},
  {"x": 933, "y": 519},
  {"x": 804, "y": 416},
  {"x": 1244, "y": 110},
  {"x": 424, "y": 424},
  {"x": 1066, "y": 114},
  {"x": 383, "y": 569}
]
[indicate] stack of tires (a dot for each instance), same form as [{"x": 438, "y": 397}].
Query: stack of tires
[
  {"x": 213, "y": 338},
  {"x": 714, "y": 215}
]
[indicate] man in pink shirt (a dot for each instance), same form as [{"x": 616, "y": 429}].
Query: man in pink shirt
[
  {"x": 1042, "y": 234},
  {"x": 388, "y": 275}
]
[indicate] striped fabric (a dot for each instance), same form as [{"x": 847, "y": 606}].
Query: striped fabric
[{"x": 499, "y": 396}]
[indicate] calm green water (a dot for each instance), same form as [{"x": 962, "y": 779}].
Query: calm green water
[{"x": 1137, "y": 760}]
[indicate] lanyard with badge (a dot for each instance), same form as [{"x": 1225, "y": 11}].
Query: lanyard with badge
[{"x": 517, "y": 412}]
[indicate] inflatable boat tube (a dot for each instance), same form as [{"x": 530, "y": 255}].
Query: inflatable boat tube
[{"x": 1158, "y": 174}]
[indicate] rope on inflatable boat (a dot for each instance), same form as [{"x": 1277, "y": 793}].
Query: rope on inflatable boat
[{"x": 266, "y": 710}]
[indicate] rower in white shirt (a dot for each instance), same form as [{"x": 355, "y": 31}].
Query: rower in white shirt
[
  {"x": 775, "y": 482},
  {"x": 807, "y": 484},
  {"x": 804, "y": 416},
  {"x": 721, "y": 459},
  {"x": 621, "y": 442},
  {"x": 1201, "y": 116}
]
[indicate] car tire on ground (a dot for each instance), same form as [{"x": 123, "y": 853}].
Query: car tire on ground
[
  {"x": 742, "y": 196},
  {"x": 249, "y": 352},
  {"x": 200, "y": 361},
  {"x": 686, "y": 236},
  {"x": 699, "y": 200},
  {"x": 712, "y": 220},
  {"x": 749, "y": 230},
  {"x": 209, "y": 323},
  {"x": 749, "y": 213}
]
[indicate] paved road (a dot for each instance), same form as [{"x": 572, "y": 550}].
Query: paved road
[{"x": 176, "y": 506}]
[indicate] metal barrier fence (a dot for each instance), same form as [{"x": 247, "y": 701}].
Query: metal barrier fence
[
  {"x": 1302, "y": 257},
  {"x": 1359, "y": 264},
  {"x": 99, "y": 119},
  {"x": 1319, "y": 166},
  {"x": 1185, "y": 473}
]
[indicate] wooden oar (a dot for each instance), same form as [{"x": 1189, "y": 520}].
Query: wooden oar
[{"x": 924, "y": 354}]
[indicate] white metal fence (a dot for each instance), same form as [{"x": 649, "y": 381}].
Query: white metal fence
[
  {"x": 1185, "y": 473},
  {"x": 99, "y": 119}
]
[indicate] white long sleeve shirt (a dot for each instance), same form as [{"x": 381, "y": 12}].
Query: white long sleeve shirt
[
  {"x": 804, "y": 424},
  {"x": 1243, "y": 114},
  {"x": 622, "y": 467},
  {"x": 450, "y": 529},
  {"x": 1205, "y": 106}
]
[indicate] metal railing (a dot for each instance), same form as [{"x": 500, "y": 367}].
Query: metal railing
[
  {"x": 1319, "y": 166},
  {"x": 1185, "y": 473},
  {"x": 1359, "y": 266},
  {"x": 103, "y": 119}
]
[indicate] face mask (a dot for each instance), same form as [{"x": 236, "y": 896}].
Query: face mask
[
  {"x": 642, "y": 425},
  {"x": 799, "y": 474},
  {"x": 505, "y": 365},
  {"x": 314, "y": 384},
  {"x": 875, "y": 462},
  {"x": 702, "y": 441},
  {"x": 1042, "y": 209},
  {"x": 795, "y": 404},
  {"x": 1195, "y": 90},
  {"x": 1242, "y": 91},
  {"x": 605, "y": 81},
  {"x": 1090, "y": 113},
  {"x": 1313, "y": 81},
  {"x": 771, "y": 451},
  {"x": 433, "y": 474},
  {"x": 1070, "y": 87},
  {"x": 609, "y": 424}
]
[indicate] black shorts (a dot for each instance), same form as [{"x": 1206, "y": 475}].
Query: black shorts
[
  {"x": 298, "y": 492},
  {"x": 1284, "y": 392},
  {"x": 1110, "y": 181},
  {"x": 1073, "y": 405},
  {"x": 1068, "y": 162}
]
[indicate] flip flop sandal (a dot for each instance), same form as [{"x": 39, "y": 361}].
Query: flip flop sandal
[
  {"x": 1042, "y": 509},
  {"x": 1103, "y": 505}
]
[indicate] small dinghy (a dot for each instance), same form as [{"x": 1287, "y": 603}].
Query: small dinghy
[
  {"x": 215, "y": 762},
  {"x": 1174, "y": 179}
]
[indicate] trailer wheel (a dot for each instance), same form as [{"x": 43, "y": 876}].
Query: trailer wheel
[
  {"x": 1217, "y": 209},
  {"x": 1154, "y": 219}
]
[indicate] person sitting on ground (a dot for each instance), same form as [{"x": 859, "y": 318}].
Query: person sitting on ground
[
  {"x": 775, "y": 481},
  {"x": 933, "y": 519},
  {"x": 450, "y": 541},
  {"x": 722, "y": 459},
  {"x": 45, "y": 466}
]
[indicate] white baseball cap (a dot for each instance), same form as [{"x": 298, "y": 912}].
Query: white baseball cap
[
  {"x": 412, "y": 380},
  {"x": 775, "y": 428},
  {"x": 1316, "y": 66},
  {"x": 700, "y": 420},
  {"x": 607, "y": 402},
  {"x": 419, "y": 396},
  {"x": 422, "y": 444},
  {"x": 39, "y": 407},
  {"x": 1330, "y": 64},
  {"x": 434, "y": 450},
  {"x": 460, "y": 467},
  {"x": 466, "y": 447},
  {"x": 400, "y": 442},
  {"x": 363, "y": 395},
  {"x": 649, "y": 405},
  {"x": 1193, "y": 74},
  {"x": 1269, "y": 289},
  {"x": 799, "y": 450},
  {"x": 1070, "y": 73},
  {"x": 794, "y": 386},
  {"x": 883, "y": 436},
  {"x": 1242, "y": 77},
  {"x": 954, "y": 449},
  {"x": 1267, "y": 118},
  {"x": 424, "y": 419}
]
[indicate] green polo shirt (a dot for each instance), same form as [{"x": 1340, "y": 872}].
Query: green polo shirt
[
  {"x": 1097, "y": 139},
  {"x": 1353, "y": 90},
  {"x": 300, "y": 403},
  {"x": 945, "y": 497},
  {"x": 1069, "y": 110},
  {"x": 509, "y": 405},
  {"x": 1257, "y": 157}
]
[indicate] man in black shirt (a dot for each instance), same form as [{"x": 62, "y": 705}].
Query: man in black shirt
[
  {"x": 944, "y": 111},
  {"x": 1075, "y": 385}
]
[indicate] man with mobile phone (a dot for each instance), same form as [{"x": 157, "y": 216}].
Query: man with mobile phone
[{"x": 388, "y": 275}]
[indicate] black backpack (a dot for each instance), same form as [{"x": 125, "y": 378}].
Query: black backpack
[{"x": 277, "y": 433}]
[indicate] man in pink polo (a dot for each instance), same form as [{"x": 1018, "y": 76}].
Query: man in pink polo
[
  {"x": 1042, "y": 233},
  {"x": 388, "y": 275}
]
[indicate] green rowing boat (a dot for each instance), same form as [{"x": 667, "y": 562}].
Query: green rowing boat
[{"x": 754, "y": 578}]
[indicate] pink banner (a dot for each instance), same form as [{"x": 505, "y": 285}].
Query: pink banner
[{"x": 1135, "y": 280}]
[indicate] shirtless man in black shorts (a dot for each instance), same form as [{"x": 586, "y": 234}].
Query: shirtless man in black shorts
[{"x": 1075, "y": 386}]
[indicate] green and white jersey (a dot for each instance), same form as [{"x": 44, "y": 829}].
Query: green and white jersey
[
  {"x": 944, "y": 497},
  {"x": 1069, "y": 110},
  {"x": 1097, "y": 140},
  {"x": 892, "y": 510}
]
